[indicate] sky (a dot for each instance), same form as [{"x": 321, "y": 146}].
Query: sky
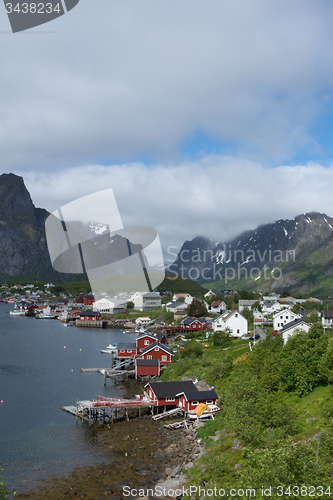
[{"x": 204, "y": 117}]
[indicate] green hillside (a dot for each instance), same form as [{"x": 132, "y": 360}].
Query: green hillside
[
  {"x": 275, "y": 428},
  {"x": 180, "y": 285}
]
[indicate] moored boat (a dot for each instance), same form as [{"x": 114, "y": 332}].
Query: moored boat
[{"x": 110, "y": 349}]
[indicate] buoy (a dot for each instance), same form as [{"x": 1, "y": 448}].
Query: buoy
[
  {"x": 2, "y": 401},
  {"x": 72, "y": 370},
  {"x": 64, "y": 347},
  {"x": 80, "y": 349}
]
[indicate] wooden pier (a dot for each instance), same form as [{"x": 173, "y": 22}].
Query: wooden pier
[{"x": 109, "y": 409}]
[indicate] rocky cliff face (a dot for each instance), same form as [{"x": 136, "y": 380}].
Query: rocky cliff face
[
  {"x": 23, "y": 249},
  {"x": 283, "y": 254}
]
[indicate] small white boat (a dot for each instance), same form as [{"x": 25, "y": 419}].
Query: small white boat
[
  {"x": 110, "y": 349},
  {"x": 17, "y": 312}
]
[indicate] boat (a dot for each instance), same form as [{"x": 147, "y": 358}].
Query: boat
[
  {"x": 203, "y": 411},
  {"x": 46, "y": 316},
  {"x": 17, "y": 311},
  {"x": 110, "y": 349},
  {"x": 140, "y": 330}
]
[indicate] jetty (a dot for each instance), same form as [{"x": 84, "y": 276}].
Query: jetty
[{"x": 109, "y": 409}]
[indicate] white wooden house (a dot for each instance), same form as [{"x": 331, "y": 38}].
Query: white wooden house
[
  {"x": 281, "y": 318},
  {"x": 298, "y": 325},
  {"x": 327, "y": 318},
  {"x": 234, "y": 321}
]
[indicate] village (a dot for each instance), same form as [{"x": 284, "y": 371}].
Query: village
[{"x": 158, "y": 341}]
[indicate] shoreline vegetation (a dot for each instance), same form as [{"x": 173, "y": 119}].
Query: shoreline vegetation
[{"x": 275, "y": 430}]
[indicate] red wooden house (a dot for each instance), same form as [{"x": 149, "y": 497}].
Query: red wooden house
[
  {"x": 191, "y": 323},
  {"x": 126, "y": 350},
  {"x": 88, "y": 300},
  {"x": 157, "y": 351},
  {"x": 189, "y": 400},
  {"x": 90, "y": 316},
  {"x": 144, "y": 367},
  {"x": 165, "y": 393},
  {"x": 147, "y": 339},
  {"x": 74, "y": 314}
]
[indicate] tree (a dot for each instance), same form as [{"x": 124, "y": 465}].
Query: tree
[
  {"x": 196, "y": 309},
  {"x": 312, "y": 317},
  {"x": 222, "y": 337},
  {"x": 326, "y": 363},
  {"x": 192, "y": 348}
]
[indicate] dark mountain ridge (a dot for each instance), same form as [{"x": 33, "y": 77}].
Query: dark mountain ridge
[{"x": 276, "y": 256}]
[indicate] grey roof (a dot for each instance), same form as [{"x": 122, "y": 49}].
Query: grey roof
[
  {"x": 293, "y": 323},
  {"x": 157, "y": 336},
  {"x": 156, "y": 344},
  {"x": 169, "y": 389},
  {"x": 190, "y": 319},
  {"x": 126, "y": 346},
  {"x": 147, "y": 362},
  {"x": 200, "y": 395},
  {"x": 177, "y": 304},
  {"x": 246, "y": 302},
  {"x": 328, "y": 314},
  {"x": 87, "y": 313}
]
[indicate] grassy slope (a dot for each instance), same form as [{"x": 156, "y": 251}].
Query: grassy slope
[{"x": 220, "y": 453}]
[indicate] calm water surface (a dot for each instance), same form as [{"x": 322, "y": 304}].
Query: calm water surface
[{"x": 40, "y": 371}]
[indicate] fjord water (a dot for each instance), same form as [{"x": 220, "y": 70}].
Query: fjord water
[{"x": 40, "y": 371}]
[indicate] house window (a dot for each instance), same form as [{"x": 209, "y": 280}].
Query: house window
[
  {"x": 195, "y": 403},
  {"x": 128, "y": 350},
  {"x": 149, "y": 357},
  {"x": 157, "y": 348},
  {"x": 170, "y": 398},
  {"x": 123, "y": 350},
  {"x": 236, "y": 315},
  {"x": 238, "y": 331},
  {"x": 209, "y": 402},
  {"x": 146, "y": 342},
  {"x": 164, "y": 358}
]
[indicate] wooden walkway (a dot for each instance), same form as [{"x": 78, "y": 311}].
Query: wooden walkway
[{"x": 108, "y": 409}]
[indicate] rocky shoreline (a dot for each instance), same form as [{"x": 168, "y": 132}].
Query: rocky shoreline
[{"x": 140, "y": 455}]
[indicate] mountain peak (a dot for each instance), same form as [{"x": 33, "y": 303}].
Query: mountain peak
[{"x": 15, "y": 199}]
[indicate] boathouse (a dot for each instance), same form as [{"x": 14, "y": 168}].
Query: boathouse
[
  {"x": 189, "y": 400},
  {"x": 166, "y": 393},
  {"x": 157, "y": 351},
  {"x": 90, "y": 316},
  {"x": 147, "y": 367},
  {"x": 126, "y": 350}
]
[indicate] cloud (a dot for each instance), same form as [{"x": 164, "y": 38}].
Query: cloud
[
  {"x": 217, "y": 196},
  {"x": 134, "y": 79}
]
